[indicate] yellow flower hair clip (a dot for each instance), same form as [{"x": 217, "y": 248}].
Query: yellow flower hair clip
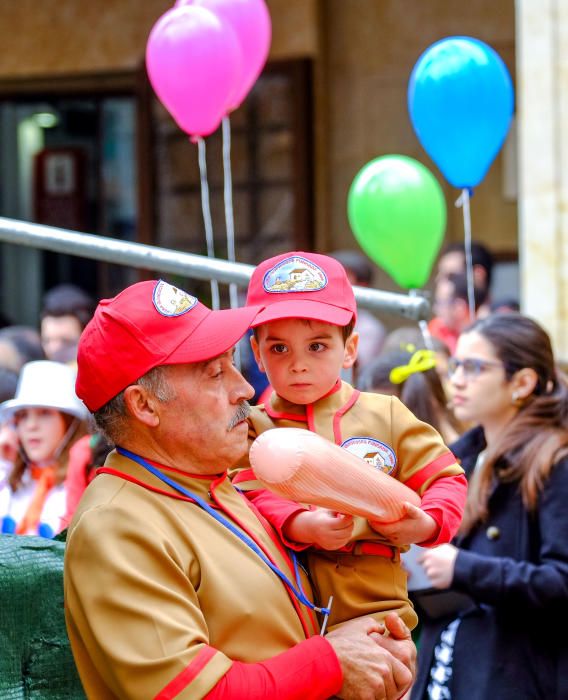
[{"x": 421, "y": 361}]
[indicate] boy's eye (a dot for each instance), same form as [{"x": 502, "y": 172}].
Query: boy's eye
[
  {"x": 278, "y": 348},
  {"x": 317, "y": 347}
]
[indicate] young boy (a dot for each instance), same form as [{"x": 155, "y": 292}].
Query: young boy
[{"x": 302, "y": 339}]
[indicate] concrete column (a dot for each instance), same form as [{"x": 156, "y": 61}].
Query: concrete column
[{"x": 542, "y": 107}]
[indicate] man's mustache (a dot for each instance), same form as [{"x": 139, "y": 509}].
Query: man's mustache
[{"x": 241, "y": 414}]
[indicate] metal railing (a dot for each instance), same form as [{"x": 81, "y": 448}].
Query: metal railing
[{"x": 149, "y": 257}]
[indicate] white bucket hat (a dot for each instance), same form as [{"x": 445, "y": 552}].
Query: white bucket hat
[{"x": 46, "y": 384}]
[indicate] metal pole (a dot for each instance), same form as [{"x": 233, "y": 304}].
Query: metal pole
[{"x": 200, "y": 267}]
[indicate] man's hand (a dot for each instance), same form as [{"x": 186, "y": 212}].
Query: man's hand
[
  {"x": 415, "y": 526},
  {"x": 439, "y": 564},
  {"x": 322, "y": 527},
  {"x": 374, "y": 667}
]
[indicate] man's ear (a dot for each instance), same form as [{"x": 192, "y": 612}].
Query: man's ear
[
  {"x": 141, "y": 405},
  {"x": 256, "y": 353},
  {"x": 350, "y": 354}
]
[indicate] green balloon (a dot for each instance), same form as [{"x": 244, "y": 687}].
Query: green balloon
[{"x": 397, "y": 213}]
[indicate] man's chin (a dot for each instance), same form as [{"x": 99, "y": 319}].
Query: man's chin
[{"x": 239, "y": 452}]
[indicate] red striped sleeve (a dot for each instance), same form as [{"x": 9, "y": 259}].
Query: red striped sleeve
[
  {"x": 181, "y": 681},
  {"x": 430, "y": 470},
  {"x": 277, "y": 511},
  {"x": 308, "y": 671},
  {"x": 444, "y": 500}
]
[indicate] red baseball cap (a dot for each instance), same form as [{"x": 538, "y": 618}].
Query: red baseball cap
[
  {"x": 302, "y": 285},
  {"x": 149, "y": 324}
]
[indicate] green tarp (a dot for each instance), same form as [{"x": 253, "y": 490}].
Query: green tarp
[{"x": 35, "y": 656}]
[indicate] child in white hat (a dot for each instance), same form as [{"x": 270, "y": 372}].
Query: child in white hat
[{"x": 48, "y": 419}]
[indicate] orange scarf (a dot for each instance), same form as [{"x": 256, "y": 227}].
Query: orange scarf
[{"x": 45, "y": 481}]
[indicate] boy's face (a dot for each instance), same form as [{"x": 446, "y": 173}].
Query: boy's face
[{"x": 303, "y": 359}]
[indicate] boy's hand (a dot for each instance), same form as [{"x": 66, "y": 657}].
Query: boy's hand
[
  {"x": 322, "y": 527},
  {"x": 414, "y": 527}
]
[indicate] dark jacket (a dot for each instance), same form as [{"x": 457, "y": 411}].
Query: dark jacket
[{"x": 512, "y": 644}]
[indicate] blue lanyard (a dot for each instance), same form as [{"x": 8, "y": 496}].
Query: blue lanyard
[{"x": 298, "y": 592}]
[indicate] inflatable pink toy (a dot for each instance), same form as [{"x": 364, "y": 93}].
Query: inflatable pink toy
[{"x": 302, "y": 466}]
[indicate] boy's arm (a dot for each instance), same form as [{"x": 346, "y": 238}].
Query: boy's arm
[
  {"x": 444, "y": 500},
  {"x": 301, "y": 527},
  {"x": 428, "y": 467},
  {"x": 279, "y": 512},
  {"x": 436, "y": 521},
  {"x": 276, "y": 510}
]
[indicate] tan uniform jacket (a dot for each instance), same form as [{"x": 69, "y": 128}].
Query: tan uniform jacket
[
  {"x": 383, "y": 431},
  {"x": 159, "y": 595}
]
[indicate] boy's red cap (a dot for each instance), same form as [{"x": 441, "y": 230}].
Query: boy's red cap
[
  {"x": 302, "y": 285},
  {"x": 149, "y": 324}
]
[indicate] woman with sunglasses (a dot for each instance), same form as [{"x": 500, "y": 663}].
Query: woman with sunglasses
[{"x": 511, "y": 557}]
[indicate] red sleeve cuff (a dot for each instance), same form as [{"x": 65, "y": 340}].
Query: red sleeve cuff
[
  {"x": 308, "y": 671},
  {"x": 444, "y": 500}
]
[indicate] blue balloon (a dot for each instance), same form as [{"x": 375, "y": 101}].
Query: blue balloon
[{"x": 460, "y": 99}]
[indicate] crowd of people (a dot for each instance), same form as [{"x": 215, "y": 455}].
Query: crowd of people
[
  {"x": 48, "y": 452},
  {"x": 176, "y": 520}
]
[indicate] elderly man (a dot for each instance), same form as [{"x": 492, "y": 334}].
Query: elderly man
[{"x": 174, "y": 586}]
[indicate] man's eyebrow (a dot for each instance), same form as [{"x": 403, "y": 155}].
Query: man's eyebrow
[{"x": 228, "y": 354}]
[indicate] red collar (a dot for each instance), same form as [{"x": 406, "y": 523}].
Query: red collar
[{"x": 206, "y": 477}]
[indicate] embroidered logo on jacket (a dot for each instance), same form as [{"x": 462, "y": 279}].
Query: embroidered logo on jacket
[
  {"x": 295, "y": 274},
  {"x": 375, "y": 452},
  {"x": 171, "y": 301}
]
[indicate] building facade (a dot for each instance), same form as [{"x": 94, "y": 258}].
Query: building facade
[{"x": 332, "y": 97}]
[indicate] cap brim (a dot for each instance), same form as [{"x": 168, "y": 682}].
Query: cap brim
[
  {"x": 218, "y": 332},
  {"x": 303, "y": 308}
]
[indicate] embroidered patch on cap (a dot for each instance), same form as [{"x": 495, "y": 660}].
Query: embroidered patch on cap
[
  {"x": 376, "y": 453},
  {"x": 171, "y": 301},
  {"x": 295, "y": 274}
]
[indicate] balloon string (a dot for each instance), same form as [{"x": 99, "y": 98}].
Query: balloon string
[
  {"x": 229, "y": 218},
  {"x": 463, "y": 202},
  {"x": 206, "y": 208},
  {"x": 426, "y": 336},
  {"x": 423, "y": 324},
  {"x": 228, "y": 195}
]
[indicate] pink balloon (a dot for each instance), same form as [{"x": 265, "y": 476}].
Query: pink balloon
[
  {"x": 193, "y": 61},
  {"x": 251, "y": 22}
]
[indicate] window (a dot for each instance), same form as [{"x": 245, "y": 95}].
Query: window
[{"x": 69, "y": 162}]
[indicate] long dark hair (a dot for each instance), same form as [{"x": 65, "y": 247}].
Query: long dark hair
[{"x": 537, "y": 437}]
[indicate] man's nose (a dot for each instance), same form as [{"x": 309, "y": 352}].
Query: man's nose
[{"x": 242, "y": 389}]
